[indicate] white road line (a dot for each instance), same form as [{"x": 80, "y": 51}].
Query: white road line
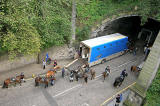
[{"x": 67, "y": 90}]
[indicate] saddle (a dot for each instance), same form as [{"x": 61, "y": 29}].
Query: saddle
[{"x": 13, "y": 79}]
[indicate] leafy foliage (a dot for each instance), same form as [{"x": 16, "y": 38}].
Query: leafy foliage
[
  {"x": 53, "y": 21},
  {"x": 18, "y": 36},
  {"x": 82, "y": 33},
  {"x": 28, "y": 26},
  {"x": 153, "y": 93},
  {"x": 149, "y": 9}
]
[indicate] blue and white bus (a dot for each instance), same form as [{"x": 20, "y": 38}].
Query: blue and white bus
[{"x": 103, "y": 48}]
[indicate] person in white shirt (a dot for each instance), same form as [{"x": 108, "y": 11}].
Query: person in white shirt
[{"x": 44, "y": 64}]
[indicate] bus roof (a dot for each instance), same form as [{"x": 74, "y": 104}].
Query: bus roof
[{"x": 102, "y": 40}]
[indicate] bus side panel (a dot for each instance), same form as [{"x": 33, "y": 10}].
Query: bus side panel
[
  {"x": 99, "y": 52},
  {"x": 110, "y": 48}
]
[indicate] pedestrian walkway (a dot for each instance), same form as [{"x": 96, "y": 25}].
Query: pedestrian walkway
[
  {"x": 30, "y": 69},
  {"x": 113, "y": 101}
]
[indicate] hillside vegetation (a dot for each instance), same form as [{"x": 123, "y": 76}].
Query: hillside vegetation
[
  {"x": 153, "y": 93},
  {"x": 28, "y": 26}
]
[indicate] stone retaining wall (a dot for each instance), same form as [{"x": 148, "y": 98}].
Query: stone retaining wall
[{"x": 56, "y": 52}]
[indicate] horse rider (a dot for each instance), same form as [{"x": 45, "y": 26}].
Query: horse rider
[
  {"x": 124, "y": 73},
  {"x": 55, "y": 63},
  {"x": 22, "y": 76},
  {"x": 71, "y": 77},
  {"x": 107, "y": 70}
]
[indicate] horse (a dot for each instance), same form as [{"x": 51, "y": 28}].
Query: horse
[
  {"x": 17, "y": 79},
  {"x": 50, "y": 73},
  {"x": 118, "y": 81},
  {"x": 39, "y": 80},
  {"x": 93, "y": 74},
  {"x": 135, "y": 69}
]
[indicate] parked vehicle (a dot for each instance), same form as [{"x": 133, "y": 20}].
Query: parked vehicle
[{"x": 101, "y": 49}]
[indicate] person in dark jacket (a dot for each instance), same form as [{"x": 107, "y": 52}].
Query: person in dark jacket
[
  {"x": 63, "y": 72},
  {"x": 118, "y": 99}
]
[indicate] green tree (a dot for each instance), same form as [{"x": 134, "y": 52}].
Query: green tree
[
  {"x": 26, "y": 27},
  {"x": 18, "y": 36},
  {"x": 153, "y": 95}
]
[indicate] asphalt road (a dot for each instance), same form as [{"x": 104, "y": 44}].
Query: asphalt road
[{"x": 64, "y": 93}]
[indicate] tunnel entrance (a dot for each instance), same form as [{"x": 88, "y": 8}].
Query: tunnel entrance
[{"x": 142, "y": 36}]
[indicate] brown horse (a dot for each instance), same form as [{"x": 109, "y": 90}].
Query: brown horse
[
  {"x": 93, "y": 74},
  {"x": 50, "y": 74},
  {"x": 42, "y": 80},
  {"x": 135, "y": 69},
  {"x": 17, "y": 79}
]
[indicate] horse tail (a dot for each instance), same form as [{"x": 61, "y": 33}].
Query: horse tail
[{"x": 131, "y": 68}]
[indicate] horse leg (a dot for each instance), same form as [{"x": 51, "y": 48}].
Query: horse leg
[
  {"x": 35, "y": 83},
  {"x": 20, "y": 82},
  {"x": 15, "y": 83},
  {"x": 131, "y": 68},
  {"x": 120, "y": 84},
  {"x": 46, "y": 84},
  {"x": 6, "y": 85},
  {"x": 91, "y": 77},
  {"x": 104, "y": 77}
]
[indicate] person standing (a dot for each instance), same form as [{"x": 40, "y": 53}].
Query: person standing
[
  {"x": 63, "y": 72},
  {"x": 134, "y": 51},
  {"x": 118, "y": 99},
  {"x": 47, "y": 56},
  {"x": 44, "y": 64},
  {"x": 55, "y": 63},
  {"x": 147, "y": 50},
  {"x": 107, "y": 70}
]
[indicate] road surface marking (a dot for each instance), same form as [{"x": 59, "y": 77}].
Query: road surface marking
[
  {"x": 117, "y": 94},
  {"x": 85, "y": 104},
  {"x": 67, "y": 90}
]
